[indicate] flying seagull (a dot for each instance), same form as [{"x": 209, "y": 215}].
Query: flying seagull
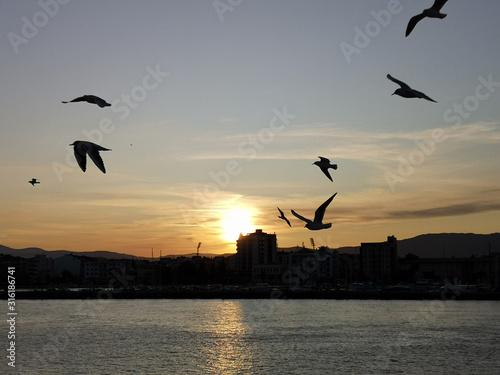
[
  {"x": 317, "y": 223},
  {"x": 82, "y": 148},
  {"x": 407, "y": 92},
  {"x": 432, "y": 12},
  {"x": 92, "y": 99},
  {"x": 324, "y": 164},
  {"x": 282, "y": 216},
  {"x": 34, "y": 181}
]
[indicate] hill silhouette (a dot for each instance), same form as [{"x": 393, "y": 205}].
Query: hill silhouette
[
  {"x": 447, "y": 245},
  {"x": 30, "y": 252},
  {"x": 433, "y": 245}
]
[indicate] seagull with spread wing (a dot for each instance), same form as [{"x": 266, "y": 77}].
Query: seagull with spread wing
[
  {"x": 406, "y": 91},
  {"x": 92, "y": 99},
  {"x": 84, "y": 148},
  {"x": 433, "y": 12},
  {"x": 282, "y": 216},
  {"x": 324, "y": 164},
  {"x": 317, "y": 223}
]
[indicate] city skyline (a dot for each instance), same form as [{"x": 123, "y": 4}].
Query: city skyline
[{"x": 219, "y": 112}]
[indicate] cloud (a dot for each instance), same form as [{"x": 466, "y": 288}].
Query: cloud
[
  {"x": 300, "y": 141},
  {"x": 450, "y": 210}
]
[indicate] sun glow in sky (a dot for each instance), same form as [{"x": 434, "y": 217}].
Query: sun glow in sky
[
  {"x": 217, "y": 118},
  {"x": 236, "y": 221}
]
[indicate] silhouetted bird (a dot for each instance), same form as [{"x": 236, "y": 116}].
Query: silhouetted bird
[
  {"x": 92, "y": 99},
  {"x": 432, "y": 12},
  {"x": 282, "y": 216},
  {"x": 34, "y": 181},
  {"x": 84, "y": 148},
  {"x": 407, "y": 92},
  {"x": 324, "y": 164},
  {"x": 317, "y": 223}
]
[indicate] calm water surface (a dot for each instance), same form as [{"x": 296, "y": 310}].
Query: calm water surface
[{"x": 257, "y": 337}]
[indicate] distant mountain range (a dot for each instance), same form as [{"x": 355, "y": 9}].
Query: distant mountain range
[
  {"x": 447, "y": 245},
  {"x": 32, "y": 251},
  {"x": 438, "y": 245}
]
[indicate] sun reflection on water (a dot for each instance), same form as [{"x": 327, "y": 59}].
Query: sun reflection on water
[{"x": 228, "y": 351}]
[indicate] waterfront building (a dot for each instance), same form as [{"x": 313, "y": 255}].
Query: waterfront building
[
  {"x": 312, "y": 267},
  {"x": 68, "y": 263},
  {"x": 379, "y": 260},
  {"x": 257, "y": 256}
]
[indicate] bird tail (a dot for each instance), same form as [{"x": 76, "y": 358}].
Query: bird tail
[
  {"x": 334, "y": 166},
  {"x": 64, "y": 102}
]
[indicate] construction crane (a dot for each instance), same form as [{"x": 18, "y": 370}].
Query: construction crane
[
  {"x": 198, "y": 249},
  {"x": 312, "y": 243}
]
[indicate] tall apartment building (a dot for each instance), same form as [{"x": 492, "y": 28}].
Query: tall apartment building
[
  {"x": 257, "y": 256},
  {"x": 379, "y": 260}
]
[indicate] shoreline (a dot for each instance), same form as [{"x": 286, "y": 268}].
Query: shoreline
[{"x": 251, "y": 294}]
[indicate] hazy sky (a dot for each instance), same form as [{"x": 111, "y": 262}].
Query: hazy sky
[{"x": 221, "y": 107}]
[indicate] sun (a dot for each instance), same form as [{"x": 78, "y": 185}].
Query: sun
[{"x": 236, "y": 221}]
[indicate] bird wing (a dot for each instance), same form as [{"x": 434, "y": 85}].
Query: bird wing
[
  {"x": 423, "y": 96},
  {"x": 96, "y": 158},
  {"x": 320, "y": 212},
  {"x": 83, "y": 98},
  {"x": 400, "y": 83},
  {"x": 413, "y": 22},
  {"x": 301, "y": 217},
  {"x": 324, "y": 160},
  {"x": 438, "y": 4},
  {"x": 81, "y": 157},
  {"x": 327, "y": 174},
  {"x": 282, "y": 216},
  {"x": 100, "y": 102}
]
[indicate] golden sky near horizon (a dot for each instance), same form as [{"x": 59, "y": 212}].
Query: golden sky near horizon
[{"x": 217, "y": 117}]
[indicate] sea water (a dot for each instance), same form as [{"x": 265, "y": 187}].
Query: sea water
[{"x": 256, "y": 337}]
